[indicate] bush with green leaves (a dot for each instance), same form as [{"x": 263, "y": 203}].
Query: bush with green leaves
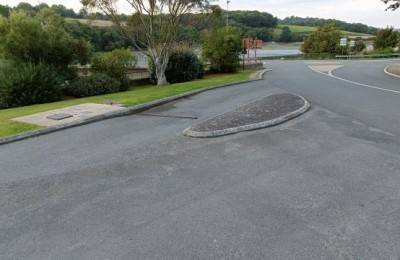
[
  {"x": 40, "y": 37},
  {"x": 381, "y": 51},
  {"x": 222, "y": 48},
  {"x": 115, "y": 64},
  {"x": 183, "y": 65},
  {"x": 29, "y": 83},
  {"x": 325, "y": 39},
  {"x": 95, "y": 84},
  {"x": 386, "y": 38}
]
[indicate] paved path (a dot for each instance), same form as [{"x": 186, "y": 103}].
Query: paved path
[{"x": 322, "y": 186}]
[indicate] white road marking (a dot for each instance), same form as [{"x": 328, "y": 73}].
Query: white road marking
[
  {"x": 391, "y": 74},
  {"x": 353, "y": 82}
]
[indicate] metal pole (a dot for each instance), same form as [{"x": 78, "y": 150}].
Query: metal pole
[
  {"x": 227, "y": 13},
  {"x": 255, "y": 51}
]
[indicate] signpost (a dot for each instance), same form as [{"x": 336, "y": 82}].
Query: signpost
[
  {"x": 343, "y": 43},
  {"x": 250, "y": 43}
]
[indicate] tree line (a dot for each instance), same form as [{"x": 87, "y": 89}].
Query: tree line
[{"x": 251, "y": 23}]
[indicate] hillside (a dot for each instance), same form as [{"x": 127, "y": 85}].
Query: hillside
[
  {"x": 306, "y": 30},
  {"x": 317, "y": 22}
]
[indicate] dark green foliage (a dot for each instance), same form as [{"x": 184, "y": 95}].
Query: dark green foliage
[
  {"x": 286, "y": 35},
  {"x": 393, "y": 4},
  {"x": 360, "y": 45},
  {"x": 39, "y": 38},
  {"x": 102, "y": 38},
  {"x": 386, "y": 38},
  {"x": 5, "y": 10},
  {"x": 380, "y": 51},
  {"x": 253, "y": 19},
  {"x": 325, "y": 39},
  {"x": 318, "y": 22},
  {"x": 95, "y": 84},
  {"x": 263, "y": 34},
  {"x": 183, "y": 65},
  {"x": 63, "y": 11},
  {"x": 222, "y": 48},
  {"x": 28, "y": 83},
  {"x": 115, "y": 64}
]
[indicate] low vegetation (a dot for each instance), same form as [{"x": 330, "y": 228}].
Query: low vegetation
[{"x": 183, "y": 65}]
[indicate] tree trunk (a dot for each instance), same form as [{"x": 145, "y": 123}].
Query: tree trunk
[
  {"x": 160, "y": 75},
  {"x": 160, "y": 60}
]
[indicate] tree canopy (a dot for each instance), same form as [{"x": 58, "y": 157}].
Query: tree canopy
[
  {"x": 393, "y": 4},
  {"x": 154, "y": 26},
  {"x": 386, "y": 38},
  {"x": 286, "y": 35},
  {"x": 222, "y": 47},
  {"x": 40, "y": 38},
  {"x": 253, "y": 19},
  {"x": 325, "y": 39}
]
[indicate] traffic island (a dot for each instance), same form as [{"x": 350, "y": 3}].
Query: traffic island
[
  {"x": 268, "y": 111},
  {"x": 393, "y": 70}
]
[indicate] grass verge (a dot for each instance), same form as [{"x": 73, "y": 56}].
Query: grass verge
[{"x": 135, "y": 96}]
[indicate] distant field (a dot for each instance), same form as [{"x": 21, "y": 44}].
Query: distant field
[
  {"x": 309, "y": 30},
  {"x": 282, "y": 46},
  {"x": 98, "y": 23}
]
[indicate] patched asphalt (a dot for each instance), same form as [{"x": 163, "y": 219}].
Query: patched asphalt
[{"x": 264, "y": 112}]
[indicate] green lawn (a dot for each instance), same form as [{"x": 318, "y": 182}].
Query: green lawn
[{"x": 135, "y": 96}]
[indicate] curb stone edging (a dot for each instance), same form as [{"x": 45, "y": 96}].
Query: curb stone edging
[
  {"x": 389, "y": 73},
  {"x": 127, "y": 111},
  {"x": 233, "y": 130}
]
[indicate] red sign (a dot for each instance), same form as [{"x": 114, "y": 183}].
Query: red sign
[{"x": 250, "y": 43}]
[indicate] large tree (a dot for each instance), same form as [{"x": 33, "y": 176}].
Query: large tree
[
  {"x": 325, "y": 39},
  {"x": 153, "y": 28},
  {"x": 222, "y": 47},
  {"x": 393, "y": 4},
  {"x": 40, "y": 38},
  {"x": 386, "y": 38}
]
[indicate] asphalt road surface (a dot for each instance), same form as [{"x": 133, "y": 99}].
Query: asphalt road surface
[{"x": 325, "y": 185}]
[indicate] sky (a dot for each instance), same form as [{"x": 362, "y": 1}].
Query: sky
[{"x": 370, "y": 12}]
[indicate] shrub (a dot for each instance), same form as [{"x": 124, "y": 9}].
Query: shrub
[
  {"x": 183, "y": 65},
  {"x": 222, "y": 48},
  {"x": 386, "y": 38},
  {"x": 95, "y": 84},
  {"x": 381, "y": 51},
  {"x": 40, "y": 37},
  {"x": 115, "y": 64},
  {"x": 28, "y": 83}
]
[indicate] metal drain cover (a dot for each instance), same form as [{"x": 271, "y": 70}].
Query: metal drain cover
[{"x": 59, "y": 117}]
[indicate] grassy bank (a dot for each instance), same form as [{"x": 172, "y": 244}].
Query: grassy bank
[{"x": 135, "y": 96}]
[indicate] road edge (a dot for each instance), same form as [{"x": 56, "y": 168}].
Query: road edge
[
  {"x": 256, "y": 76},
  {"x": 264, "y": 124}
]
